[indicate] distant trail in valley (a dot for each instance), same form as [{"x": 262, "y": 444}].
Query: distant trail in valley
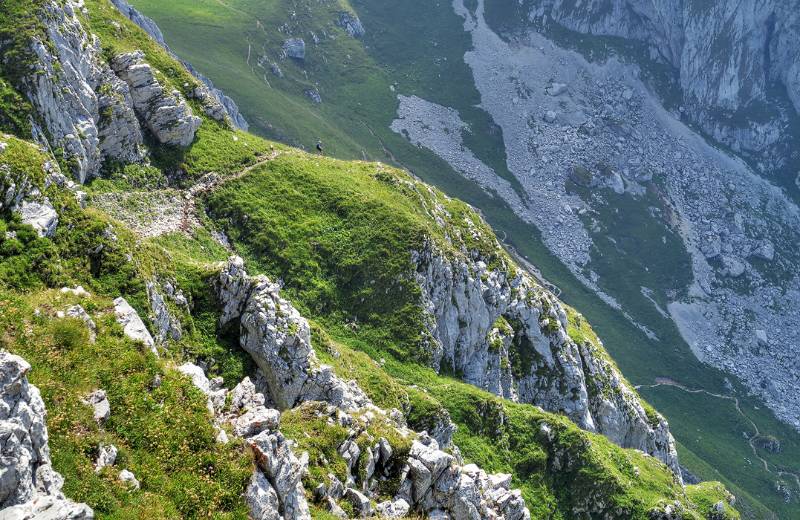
[{"x": 663, "y": 381}]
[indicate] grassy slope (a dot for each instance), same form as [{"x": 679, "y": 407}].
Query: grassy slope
[{"x": 431, "y": 66}]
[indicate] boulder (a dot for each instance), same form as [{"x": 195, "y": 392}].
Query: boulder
[
  {"x": 351, "y": 24},
  {"x": 129, "y": 479},
  {"x": 106, "y": 456},
  {"x": 132, "y": 324},
  {"x": 556, "y": 89},
  {"x": 100, "y": 406},
  {"x": 397, "y": 508},
  {"x": 39, "y": 214},
  {"x": 295, "y": 48},
  {"x": 79, "y": 313},
  {"x": 256, "y": 421},
  {"x": 361, "y": 504}
]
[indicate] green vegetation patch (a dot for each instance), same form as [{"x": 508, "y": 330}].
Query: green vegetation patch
[{"x": 159, "y": 421}]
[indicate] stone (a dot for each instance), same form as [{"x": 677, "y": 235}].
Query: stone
[
  {"x": 765, "y": 251},
  {"x": 129, "y": 479},
  {"x": 550, "y": 116},
  {"x": 132, "y": 324},
  {"x": 100, "y": 405},
  {"x": 351, "y": 24},
  {"x": 166, "y": 114},
  {"x": 397, "y": 508},
  {"x": 256, "y": 421},
  {"x": 333, "y": 508},
  {"x": 262, "y": 499},
  {"x": 106, "y": 456},
  {"x": 295, "y": 48},
  {"x": 41, "y": 215},
  {"x": 313, "y": 95},
  {"x": 216, "y": 396},
  {"x": 361, "y": 504},
  {"x": 283, "y": 470},
  {"x": 79, "y": 313},
  {"x": 732, "y": 266},
  {"x": 556, "y": 89},
  {"x": 29, "y": 486}
]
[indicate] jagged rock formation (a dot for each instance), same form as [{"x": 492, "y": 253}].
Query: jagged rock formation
[
  {"x": 166, "y": 326},
  {"x": 508, "y": 335},
  {"x": 29, "y": 487},
  {"x": 85, "y": 108},
  {"x": 166, "y": 113},
  {"x": 132, "y": 324},
  {"x": 350, "y": 23},
  {"x": 726, "y": 54},
  {"x": 279, "y": 340},
  {"x": 213, "y": 98},
  {"x": 295, "y": 48}
]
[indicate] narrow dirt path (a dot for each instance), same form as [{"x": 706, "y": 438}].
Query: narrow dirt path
[
  {"x": 751, "y": 440},
  {"x": 210, "y": 182}
]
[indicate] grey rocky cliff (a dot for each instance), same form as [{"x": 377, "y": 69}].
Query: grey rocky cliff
[
  {"x": 85, "y": 109},
  {"x": 508, "y": 335},
  {"x": 726, "y": 54},
  {"x": 29, "y": 486},
  {"x": 431, "y": 481},
  {"x": 217, "y": 97},
  {"x": 166, "y": 113}
]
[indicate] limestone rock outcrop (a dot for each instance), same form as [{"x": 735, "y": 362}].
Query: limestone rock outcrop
[
  {"x": 132, "y": 324},
  {"x": 166, "y": 113},
  {"x": 508, "y": 335},
  {"x": 83, "y": 106},
  {"x": 216, "y": 103},
  {"x": 279, "y": 339},
  {"x": 726, "y": 54},
  {"x": 351, "y": 23},
  {"x": 29, "y": 486}
]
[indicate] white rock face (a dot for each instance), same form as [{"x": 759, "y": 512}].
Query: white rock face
[
  {"x": 29, "y": 487},
  {"x": 41, "y": 215},
  {"x": 132, "y": 324},
  {"x": 279, "y": 340},
  {"x": 166, "y": 113},
  {"x": 726, "y": 53},
  {"x": 486, "y": 327},
  {"x": 72, "y": 87},
  {"x": 215, "y": 102}
]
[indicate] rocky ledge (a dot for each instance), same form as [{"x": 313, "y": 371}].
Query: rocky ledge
[
  {"x": 431, "y": 481},
  {"x": 29, "y": 486}
]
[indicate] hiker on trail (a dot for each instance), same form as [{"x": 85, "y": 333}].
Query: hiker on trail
[{"x": 319, "y": 147}]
